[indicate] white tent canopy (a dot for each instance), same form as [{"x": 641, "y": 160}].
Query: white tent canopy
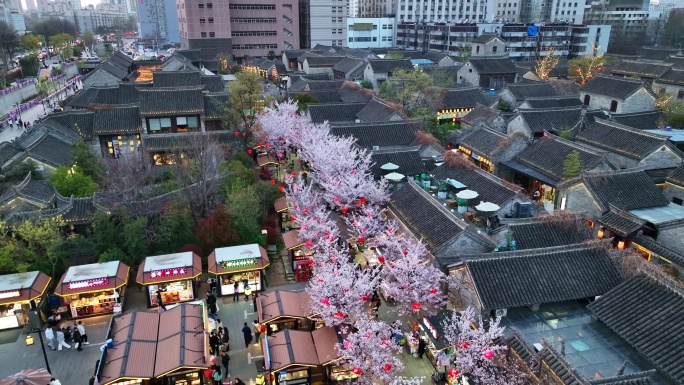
[
  {"x": 395, "y": 176},
  {"x": 389, "y": 167},
  {"x": 467, "y": 194},
  {"x": 487, "y": 207}
]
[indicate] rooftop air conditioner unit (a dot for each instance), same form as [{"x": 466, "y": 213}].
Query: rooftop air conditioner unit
[
  {"x": 376, "y": 148},
  {"x": 357, "y": 120}
]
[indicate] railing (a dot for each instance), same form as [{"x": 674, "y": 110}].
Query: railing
[
  {"x": 17, "y": 86},
  {"x": 13, "y": 114}
]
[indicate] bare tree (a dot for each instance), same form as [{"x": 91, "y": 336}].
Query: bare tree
[
  {"x": 197, "y": 170},
  {"x": 8, "y": 42},
  {"x": 127, "y": 178}
]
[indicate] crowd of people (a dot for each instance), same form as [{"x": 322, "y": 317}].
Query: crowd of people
[{"x": 59, "y": 334}]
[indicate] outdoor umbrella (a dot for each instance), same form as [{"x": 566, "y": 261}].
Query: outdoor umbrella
[
  {"x": 389, "y": 167},
  {"x": 395, "y": 176},
  {"x": 467, "y": 194},
  {"x": 28, "y": 377},
  {"x": 487, "y": 207}
]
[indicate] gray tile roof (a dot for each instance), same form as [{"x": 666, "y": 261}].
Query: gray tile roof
[
  {"x": 214, "y": 106},
  {"x": 380, "y": 66},
  {"x": 8, "y": 151},
  {"x": 177, "y": 62},
  {"x": 493, "y": 65},
  {"x": 38, "y": 192},
  {"x": 334, "y": 112},
  {"x": 640, "y": 69},
  {"x": 525, "y": 90},
  {"x": 347, "y": 64},
  {"x": 486, "y": 38},
  {"x": 540, "y": 276},
  {"x": 658, "y": 248},
  {"x": 467, "y": 97},
  {"x": 613, "y": 87},
  {"x": 553, "y": 102},
  {"x": 159, "y": 142},
  {"x": 620, "y": 139},
  {"x": 552, "y": 119},
  {"x": 379, "y": 134},
  {"x": 176, "y": 79},
  {"x": 647, "y": 312},
  {"x": 408, "y": 160},
  {"x": 673, "y": 76},
  {"x": 483, "y": 141},
  {"x": 639, "y": 378},
  {"x": 423, "y": 217},
  {"x": 677, "y": 176},
  {"x": 352, "y": 93},
  {"x": 322, "y": 61},
  {"x": 376, "y": 111},
  {"x": 490, "y": 188},
  {"x": 480, "y": 112},
  {"x": 118, "y": 120},
  {"x": 51, "y": 150},
  {"x": 539, "y": 233},
  {"x": 548, "y": 154},
  {"x": 190, "y": 54},
  {"x": 676, "y": 61},
  {"x": 213, "y": 83},
  {"x": 626, "y": 190},
  {"x": 323, "y": 85},
  {"x": 657, "y": 53},
  {"x": 557, "y": 363},
  {"x": 80, "y": 122},
  {"x": 648, "y": 120},
  {"x": 171, "y": 101},
  {"x": 621, "y": 222},
  {"x": 324, "y": 96},
  {"x": 100, "y": 77}
]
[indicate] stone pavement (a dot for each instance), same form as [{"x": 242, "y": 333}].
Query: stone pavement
[{"x": 70, "y": 366}]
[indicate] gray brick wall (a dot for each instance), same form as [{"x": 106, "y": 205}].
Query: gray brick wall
[
  {"x": 468, "y": 75},
  {"x": 580, "y": 199},
  {"x": 518, "y": 125},
  {"x": 673, "y": 191},
  {"x": 663, "y": 157},
  {"x": 638, "y": 102}
]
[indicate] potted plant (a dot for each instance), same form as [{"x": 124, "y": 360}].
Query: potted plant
[{"x": 442, "y": 190}]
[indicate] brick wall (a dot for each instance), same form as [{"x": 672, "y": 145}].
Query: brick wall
[{"x": 468, "y": 75}]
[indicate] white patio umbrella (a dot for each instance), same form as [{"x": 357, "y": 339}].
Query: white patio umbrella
[
  {"x": 487, "y": 207},
  {"x": 467, "y": 194},
  {"x": 389, "y": 167},
  {"x": 394, "y": 176}
]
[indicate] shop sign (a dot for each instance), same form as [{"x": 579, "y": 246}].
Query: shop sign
[
  {"x": 431, "y": 328},
  {"x": 9, "y": 294},
  {"x": 239, "y": 263},
  {"x": 268, "y": 353},
  {"x": 168, "y": 272},
  {"x": 88, "y": 283}
]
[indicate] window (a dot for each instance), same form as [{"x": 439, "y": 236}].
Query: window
[
  {"x": 203, "y": 34},
  {"x": 677, "y": 201},
  {"x": 211, "y": 20},
  {"x": 470, "y": 70},
  {"x": 200, "y": 6},
  {"x": 477, "y": 49},
  {"x": 159, "y": 124},
  {"x": 212, "y": 34},
  {"x": 613, "y": 106},
  {"x": 203, "y": 20},
  {"x": 253, "y": 6},
  {"x": 587, "y": 99},
  {"x": 680, "y": 95},
  {"x": 267, "y": 20},
  {"x": 210, "y": 5},
  {"x": 494, "y": 49},
  {"x": 351, "y": 39}
]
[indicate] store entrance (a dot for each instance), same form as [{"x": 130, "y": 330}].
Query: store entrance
[{"x": 303, "y": 271}]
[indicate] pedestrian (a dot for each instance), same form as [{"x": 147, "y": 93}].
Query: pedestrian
[
  {"x": 238, "y": 381},
  {"x": 91, "y": 381},
  {"x": 159, "y": 300},
  {"x": 214, "y": 343},
  {"x": 219, "y": 326},
  {"x": 54, "y": 381},
  {"x": 225, "y": 360},
  {"x": 216, "y": 374},
  {"x": 211, "y": 298},
  {"x": 421, "y": 347},
  {"x": 212, "y": 310},
  {"x": 257, "y": 331},
  {"x": 212, "y": 285},
  {"x": 50, "y": 336},
  {"x": 225, "y": 338},
  {"x": 84, "y": 335},
  {"x": 20, "y": 123},
  {"x": 78, "y": 341},
  {"x": 60, "y": 339},
  {"x": 236, "y": 292},
  {"x": 247, "y": 334}
]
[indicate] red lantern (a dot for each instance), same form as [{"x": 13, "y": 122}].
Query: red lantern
[
  {"x": 249, "y": 151},
  {"x": 416, "y": 306},
  {"x": 363, "y": 200},
  {"x": 268, "y": 145},
  {"x": 339, "y": 315},
  {"x": 310, "y": 262},
  {"x": 361, "y": 240},
  {"x": 282, "y": 189},
  {"x": 433, "y": 291},
  {"x": 294, "y": 173},
  {"x": 309, "y": 243},
  {"x": 237, "y": 133},
  {"x": 381, "y": 259},
  {"x": 319, "y": 280},
  {"x": 453, "y": 372},
  {"x": 325, "y": 301},
  {"x": 488, "y": 354},
  {"x": 357, "y": 371},
  {"x": 344, "y": 210},
  {"x": 272, "y": 181},
  {"x": 464, "y": 345},
  {"x": 387, "y": 367},
  {"x": 365, "y": 298},
  {"x": 260, "y": 144},
  {"x": 305, "y": 210},
  {"x": 280, "y": 138}
]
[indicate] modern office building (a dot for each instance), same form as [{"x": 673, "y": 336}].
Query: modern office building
[
  {"x": 158, "y": 21},
  {"x": 368, "y": 32},
  {"x": 328, "y": 22}
]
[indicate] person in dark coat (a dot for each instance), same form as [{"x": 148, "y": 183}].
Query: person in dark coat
[
  {"x": 421, "y": 347},
  {"x": 214, "y": 342},
  {"x": 225, "y": 360},
  {"x": 247, "y": 334},
  {"x": 212, "y": 309},
  {"x": 159, "y": 300},
  {"x": 78, "y": 340}
]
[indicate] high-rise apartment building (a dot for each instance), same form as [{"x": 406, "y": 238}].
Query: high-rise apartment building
[
  {"x": 239, "y": 27},
  {"x": 158, "y": 21},
  {"x": 370, "y": 8},
  {"x": 436, "y": 11},
  {"x": 328, "y": 22},
  {"x": 632, "y": 22}
]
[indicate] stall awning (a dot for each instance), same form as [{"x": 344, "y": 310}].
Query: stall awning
[
  {"x": 325, "y": 340},
  {"x": 92, "y": 278},
  {"x": 169, "y": 268},
  {"x": 282, "y": 304},
  {"x": 290, "y": 348},
  {"x": 530, "y": 172},
  {"x": 280, "y": 205},
  {"x": 432, "y": 325},
  {"x": 265, "y": 160},
  {"x": 22, "y": 287},
  {"x": 236, "y": 259},
  {"x": 291, "y": 240},
  {"x": 150, "y": 345}
]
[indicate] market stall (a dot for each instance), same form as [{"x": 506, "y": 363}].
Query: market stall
[
  {"x": 298, "y": 255},
  {"x": 20, "y": 293},
  {"x": 281, "y": 309},
  {"x": 150, "y": 348},
  {"x": 172, "y": 274},
  {"x": 290, "y": 357},
  {"x": 242, "y": 264},
  {"x": 281, "y": 207},
  {"x": 335, "y": 368},
  {"x": 93, "y": 289},
  {"x": 438, "y": 349}
]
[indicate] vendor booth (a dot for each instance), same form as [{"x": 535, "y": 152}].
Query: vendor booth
[
  {"x": 152, "y": 348},
  {"x": 173, "y": 274},
  {"x": 281, "y": 207},
  {"x": 299, "y": 257},
  {"x": 335, "y": 368},
  {"x": 243, "y": 264},
  {"x": 281, "y": 309},
  {"x": 20, "y": 293},
  {"x": 93, "y": 289},
  {"x": 438, "y": 349}
]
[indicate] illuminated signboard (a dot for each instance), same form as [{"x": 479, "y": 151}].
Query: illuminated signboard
[
  {"x": 9, "y": 294},
  {"x": 430, "y": 327},
  {"x": 88, "y": 283},
  {"x": 176, "y": 271},
  {"x": 239, "y": 263}
]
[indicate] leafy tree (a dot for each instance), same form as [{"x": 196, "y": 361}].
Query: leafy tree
[
  {"x": 217, "y": 229},
  {"x": 88, "y": 40},
  {"x": 244, "y": 101},
  {"x": 674, "y": 28},
  {"x": 63, "y": 44},
  {"x": 173, "y": 228},
  {"x": 120, "y": 236},
  {"x": 268, "y": 193},
  {"x": 411, "y": 90},
  {"x": 235, "y": 171},
  {"x": 565, "y": 133},
  {"x": 366, "y": 84},
  {"x": 394, "y": 56},
  {"x": 303, "y": 100},
  {"x": 53, "y": 26},
  {"x": 432, "y": 126},
  {"x": 44, "y": 240},
  {"x": 442, "y": 78},
  {"x": 504, "y": 106},
  {"x": 271, "y": 55},
  {"x": 87, "y": 162},
  {"x": 245, "y": 159},
  {"x": 29, "y": 65},
  {"x": 14, "y": 256},
  {"x": 72, "y": 181},
  {"x": 224, "y": 60},
  {"x": 572, "y": 166},
  {"x": 585, "y": 67},
  {"x": 674, "y": 113},
  {"x": 46, "y": 86},
  {"x": 31, "y": 42},
  {"x": 8, "y": 42},
  {"x": 244, "y": 206}
]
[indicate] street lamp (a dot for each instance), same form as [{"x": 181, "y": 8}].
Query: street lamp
[{"x": 29, "y": 339}]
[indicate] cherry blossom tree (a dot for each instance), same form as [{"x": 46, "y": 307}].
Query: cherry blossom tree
[
  {"x": 371, "y": 352},
  {"x": 475, "y": 353}
]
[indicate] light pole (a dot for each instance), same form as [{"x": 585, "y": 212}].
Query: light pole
[{"x": 29, "y": 340}]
